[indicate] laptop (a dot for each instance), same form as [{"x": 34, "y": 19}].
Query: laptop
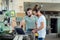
[{"x": 19, "y": 31}]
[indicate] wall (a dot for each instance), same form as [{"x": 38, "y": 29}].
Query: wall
[
  {"x": 58, "y": 25},
  {"x": 45, "y": 6},
  {"x": 38, "y": 1},
  {"x": 16, "y": 5},
  {"x": 4, "y": 5},
  {"x": 0, "y": 4},
  {"x": 43, "y": 1}
]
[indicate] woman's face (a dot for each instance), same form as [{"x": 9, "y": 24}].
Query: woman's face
[
  {"x": 34, "y": 12},
  {"x": 29, "y": 12}
]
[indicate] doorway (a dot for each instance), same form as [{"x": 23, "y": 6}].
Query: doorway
[{"x": 54, "y": 25}]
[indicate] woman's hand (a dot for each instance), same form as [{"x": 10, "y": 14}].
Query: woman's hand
[{"x": 33, "y": 31}]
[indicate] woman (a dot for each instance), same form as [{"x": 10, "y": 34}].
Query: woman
[{"x": 36, "y": 7}]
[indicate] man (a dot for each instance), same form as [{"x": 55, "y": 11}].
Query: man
[
  {"x": 29, "y": 20},
  {"x": 41, "y": 25}
]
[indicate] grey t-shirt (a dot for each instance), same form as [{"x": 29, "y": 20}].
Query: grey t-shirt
[{"x": 30, "y": 22}]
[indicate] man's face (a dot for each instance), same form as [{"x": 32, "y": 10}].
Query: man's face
[{"x": 29, "y": 12}]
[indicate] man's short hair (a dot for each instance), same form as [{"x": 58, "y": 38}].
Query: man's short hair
[{"x": 28, "y": 10}]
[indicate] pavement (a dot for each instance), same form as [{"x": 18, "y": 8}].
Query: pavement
[{"x": 52, "y": 36}]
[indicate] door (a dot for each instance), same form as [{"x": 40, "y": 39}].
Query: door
[{"x": 54, "y": 25}]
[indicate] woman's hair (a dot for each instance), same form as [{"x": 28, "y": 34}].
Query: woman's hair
[
  {"x": 35, "y": 7},
  {"x": 38, "y": 10},
  {"x": 28, "y": 10}
]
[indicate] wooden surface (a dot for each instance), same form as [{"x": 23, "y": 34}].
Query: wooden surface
[
  {"x": 20, "y": 14},
  {"x": 13, "y": 24}
]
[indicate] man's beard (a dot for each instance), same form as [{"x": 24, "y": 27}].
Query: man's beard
[{"x": 29, "y": 15}]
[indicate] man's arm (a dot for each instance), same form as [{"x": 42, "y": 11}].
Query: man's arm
[
  {"x": 22, "y": 23},
  {"x": 41, "y": 27}
]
